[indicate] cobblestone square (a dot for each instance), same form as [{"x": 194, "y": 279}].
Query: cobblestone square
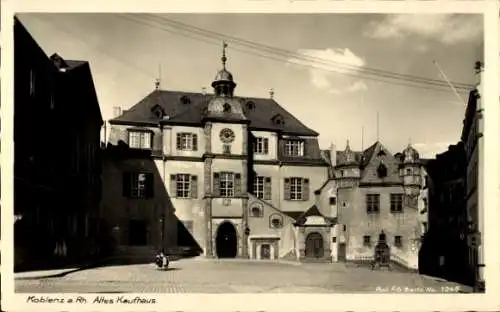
[{"x": 238, "y": 276}]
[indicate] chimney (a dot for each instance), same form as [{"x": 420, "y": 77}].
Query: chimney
[
  {"x": 117, "y": 111},
  {"x": 271, "y": 94},
  {"x": 204, "y": 91},
  {"x": 333, "y": 155}
]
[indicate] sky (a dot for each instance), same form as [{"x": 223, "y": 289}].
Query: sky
[{"x": 317, "y": 65}]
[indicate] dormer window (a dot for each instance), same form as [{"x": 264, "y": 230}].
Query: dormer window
[
  {"x": 185, "y": 99},
  {"x": 278, "y": 119},
  {"x": 139, "y": 139},
  {"x": 158, "y": 111},
  {"x": 250, "y": 105},
  {"x": 382, "y": 171},
  {"x": 294, "y": 148},
  {"x": 226, "y": 108}
]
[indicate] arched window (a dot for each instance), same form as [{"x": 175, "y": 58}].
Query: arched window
[
  {"x": 227, "y": 108},
  {"x": 256, "y": 212},
  {"x": 275, "y": 221}
]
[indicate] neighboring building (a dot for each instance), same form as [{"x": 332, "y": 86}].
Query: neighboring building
[
  {"x": 377, "y": 198},
  {"x": 57, "y": 184},
  {"x": 227, "y": 176},
  {"x": 472, "y": 134},
  {"x": 444, "y": 250}
]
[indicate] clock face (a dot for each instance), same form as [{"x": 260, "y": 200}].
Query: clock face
[{"x": 227, "y": 135}]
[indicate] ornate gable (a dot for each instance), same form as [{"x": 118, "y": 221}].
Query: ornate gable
[{"x": 382, "y": 167}]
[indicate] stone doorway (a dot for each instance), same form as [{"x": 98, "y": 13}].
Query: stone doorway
[
  {"x": 341, "y": 252},
  {"x": 265, "y": 251},
  {"x": 226, "y": 242},
  {"x": 314, "y": 246}
]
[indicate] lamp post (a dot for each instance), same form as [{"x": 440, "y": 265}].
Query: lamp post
[{"x": 162, "y": 232}]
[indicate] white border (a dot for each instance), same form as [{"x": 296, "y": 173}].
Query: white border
[{"x": 268, "y": 302}]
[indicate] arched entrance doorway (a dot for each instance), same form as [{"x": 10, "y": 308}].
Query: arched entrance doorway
[
  {"x": 314, "y": 246},
  {"x": 226, "y": 241}
]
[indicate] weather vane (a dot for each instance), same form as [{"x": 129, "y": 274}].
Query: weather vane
[{"x": 224, "y": 58}]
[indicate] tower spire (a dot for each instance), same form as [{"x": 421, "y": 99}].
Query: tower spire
[
  {"x": 224, "y": 58},
  {"x": 378, "y": 128}
]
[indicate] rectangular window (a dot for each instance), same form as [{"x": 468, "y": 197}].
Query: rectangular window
[
  {"x": 139, "y": 139},
  {"x": 396, "y": 203},
  {"x": 372, "y": 203},
  {"x": 294, "y": 148},
  {"x": 367, "y": 240},
  {"x": 398, "y": 241},
  {"x": 187, "y": 141},
  {"x": 262, "y": 187},
  {"x": 226, "y": 184},
  {"x": 333, "y": 201},
  {"x": 183, "y": 185},
  {"x": 138, "y": 185},
  {"x": 258, "y": 187},
  {"x": 261, "y": 146},
  {"x": 296, "y": 189},
  {"x": 52, "y": 101}
]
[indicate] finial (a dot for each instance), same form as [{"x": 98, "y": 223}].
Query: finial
[
  {"x": 157, "y": 84},
  {"x": 347, "y": 145},
  {"x": 204, "y": 90},
  {"x": 224, "y": 58},
  {"x": 409, "y": 142},
  {"x": 271, "y": 93}
]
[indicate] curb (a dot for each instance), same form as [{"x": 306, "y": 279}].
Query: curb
[{"x": 56, "y": 275}]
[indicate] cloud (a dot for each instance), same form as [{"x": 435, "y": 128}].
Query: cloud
[
  {"x": 430, "y": 150},
  {"x": 448, "y": 29},
  {"x": 326, "y": 65}
]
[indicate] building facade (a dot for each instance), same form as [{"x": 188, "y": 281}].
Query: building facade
[
  {"x": 377, "y": 198},
  {"x": 57, "y": 184},
  {"x": 472, "y": 134},
  {"x": 225, "y": 175},
  {"x": 444, "y": 251}
]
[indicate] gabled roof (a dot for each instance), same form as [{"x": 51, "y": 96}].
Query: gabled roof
[
  {"x": 260, "y": 113},
  {"x": 312, "y": 211}
]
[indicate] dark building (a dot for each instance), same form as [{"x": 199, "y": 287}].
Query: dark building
[
  {"x": 444, "y": 249},
  {"x": 472, "y": 137},
  {"x": 57, "y": 186}
]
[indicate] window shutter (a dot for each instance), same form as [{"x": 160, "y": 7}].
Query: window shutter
[
  {"x": 282, "y": 149},
  {"x": 216, "y": 184},
  {"x": 305, "y": 189},
  {"x": 173, "y": 185},
  {"x": 127, "y": 177},
  {"x": 266, "y": 146},
  {"x": 150, "y": 186},
  {"x": 195, "y": 142},
  {"x": 286, "y": 189},
  {"x": 194, "y": 186},
  {"x": 267, "y": 188},
  {"x": 179, "y": 145},
  {"x": 237, "y": 184}
]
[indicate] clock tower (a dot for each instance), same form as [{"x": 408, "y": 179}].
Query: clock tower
[{"x": 225, "y": 170}]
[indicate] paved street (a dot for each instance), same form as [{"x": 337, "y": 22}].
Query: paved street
[{"x": 237, "y": 276}]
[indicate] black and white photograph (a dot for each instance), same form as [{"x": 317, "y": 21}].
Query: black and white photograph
[{"x": 247, "y": 153}]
